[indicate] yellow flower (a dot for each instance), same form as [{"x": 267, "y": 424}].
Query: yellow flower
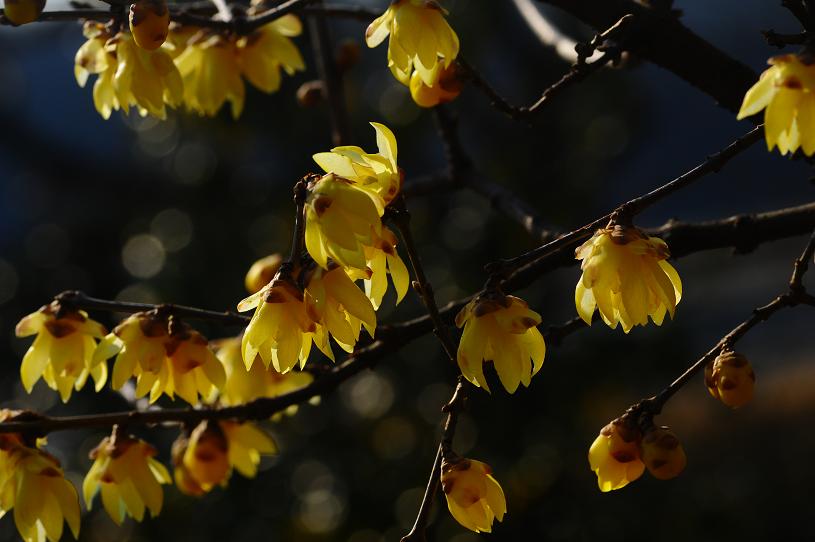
[
  {"x": 662, "y": 453},
  {"x": 340, "y": 221},
  {"x": 501, "y": 329},
  {"x": 165, "y": 355},
  {"x": 730, "y": 379},
  {"x": 243, "y": 386},
  {"x": 420, "y": 37},
  {"x": 149, "y": 23},
  {"x": 626, "y": 277},
  {"x": 280, "y": 330},
  {"x": 23, "y": 11},
  {"x": 212, "y": 65},
  {"x": 382, "y": 260},
  {"x": 785, "y": 92},
  {"x": 264, "y": 52},
  {"x": 474, "y": 497},
  {"x": 615, "y": 456},
  {"x": 213, "y": 449},
  {"x": 34, "y": 485},
  {"x": 128, "y": 477},
  {"x": 211, "y": 74},
  {"x": 376, "y": 174},
  {"x": 334, "y": 302},
  {"x": 62, "y": 353},
  {"x": 262, "y": 272},
  {"x": 445, "y": 88},
  {"x": 128, "y": 76}
]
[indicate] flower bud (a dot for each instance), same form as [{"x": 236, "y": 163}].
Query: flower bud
[
  {"x": 730, "y": 379},
  {"x": 445, "y": 88},
  {"x": 149, "y": 23},
  {"x": 23, "y": 11},
  {"x": 262, "y": 272},
  {"x": 662, "y": 453},
  {"x": 474, "y": 497},
  {"x": 615, "y": 455},
  {"x": 348, "y": 53},
  {"x": 310, "y": 93}
]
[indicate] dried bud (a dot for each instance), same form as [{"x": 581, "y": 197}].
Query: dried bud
[
  {"x": 730, "y": 379},
  {"x": 348, "y": 54},
  {"x": 310, "y": 93},
  {"x": 662, "y": 453}
]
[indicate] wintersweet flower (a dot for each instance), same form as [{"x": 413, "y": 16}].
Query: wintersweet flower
[
  {"x": 129, "y": 478},
  {"x": 23, "y": 11},
  {"x": 445, "y": 87},
  {"x": 334, "y": 302},
  {"x": 785, "y": 93},
  {"x": 62, "y": 352},
  {"x": 377, "y": 174},
  {"x": 730, "y": 379},
  {"x": 33, "y": 484},
  {"x": 165, "y": 355},
  {"x": 280, "y": 330},
  {"x": 474, "y": 497},
  {"x": 212, "y": 76},
  {"x": 615, "y": 455},
  {"x": 207, "y": 458},
  {"x": 626, "y": 276},
  {"x": 244, "y": 385},
  {"x": 149, "y": 23},
  {"x": 382, "y": 260},
  {"x": 420, "y": 38},
  {"x": 128, "y": 76},
  {"x": 341, "y": 220},
  {"x": 502, "y": 329},
  {"x": 263, "y": 53},
  {"x": 662, "y": 453}
]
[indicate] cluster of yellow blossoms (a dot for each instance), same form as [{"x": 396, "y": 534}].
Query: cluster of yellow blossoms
[
  {"x": 158, "y": 64},
  {"x": 347, "y": 241},
  {"x": 422, "y": 49}
]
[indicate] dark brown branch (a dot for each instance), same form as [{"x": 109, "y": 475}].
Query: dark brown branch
[
  {"x": 712, "y": 164},
  {"x": 78, "y": 300},
  {"x": 332, "y": 79},
  {"x": 657, "y": 36}
]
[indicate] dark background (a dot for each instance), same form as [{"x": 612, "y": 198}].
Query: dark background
[{"x": 141, "y": 210}]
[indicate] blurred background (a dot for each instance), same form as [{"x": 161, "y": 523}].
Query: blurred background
[{"x": 141, "y": 210}]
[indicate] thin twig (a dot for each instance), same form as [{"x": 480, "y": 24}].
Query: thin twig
[
  {"x": 548, "y": 34},
  {"x": 417, "y": 532}
]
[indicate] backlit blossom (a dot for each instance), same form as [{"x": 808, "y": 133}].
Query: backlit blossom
[
  {"x": 501, "y": 329},
  {"x": 62, "y": 352},
  {"x": 626, "y": 276},
  {"x": 785, "y": 93},
  {"x": 213, "y": 449},
  {"x": 244, "y": 385},
  {"x": 213, "y": 65},
  {"x": 336, "y": 303},
  {"x": 445, "y": 87},
  {"x": 377, "y": 174},
  {"x": 382, "y": 259},
  {"x": 614, "y": 455},
  {"x": 341, "y": 220},
  {"x": 23, "y": 11},
  {"x": 128, "y": 76},
  {"x": 165, "y": 355},
  {"x": 149, "y": 23},
  {"x": 730, "y": 379},
  {"x": 474, "y": 497},
  {"x": 420, "y": 38},
  {"x": 33, "y": 484},
  {"x": 128, "y": 477},
  {"x": 280, "y": 330}
]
